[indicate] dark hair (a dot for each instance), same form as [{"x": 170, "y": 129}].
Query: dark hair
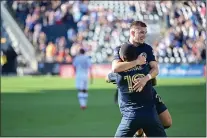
[
  {"x": 82, "y": 51},
  {"x": 128, "y": 52},
  {"x": 138, "y": 23}
]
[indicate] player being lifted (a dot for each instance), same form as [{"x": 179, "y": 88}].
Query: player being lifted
[
  {"x": 160, "y": 106},
  {"x": 82, "y": 66},
  {"x": 137, "y": 37},
  {"x": 136, "y": 105}
]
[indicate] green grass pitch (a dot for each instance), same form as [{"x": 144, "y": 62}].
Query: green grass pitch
[{"x": 48, "y": 106}]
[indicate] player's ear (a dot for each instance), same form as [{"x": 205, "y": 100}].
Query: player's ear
[
  {"x": 132, "y": 32},
  {"x": 122, "y": 58}
]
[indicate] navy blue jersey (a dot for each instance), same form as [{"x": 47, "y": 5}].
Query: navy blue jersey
[
  {"x": 143, "y": 48},
  {"x": 112, "y": 77},
  {"x": 128, "y": 98}
]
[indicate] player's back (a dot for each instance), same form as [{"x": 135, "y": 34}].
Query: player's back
[
  {"x": 128, "y": 98},
  {"x": 82, "y": 64}
]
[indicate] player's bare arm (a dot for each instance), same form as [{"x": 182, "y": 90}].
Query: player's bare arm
[
  {"x": 141, "y": 82},
  {"x": 154, "y": 69},
  {"x": 119, "y": 65}
]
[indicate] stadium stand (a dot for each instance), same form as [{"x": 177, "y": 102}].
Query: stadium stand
[
  {"x": 8, "y": 55},
  {"x": 13, "y": 62},
  {"x": 58, "y": 29}
]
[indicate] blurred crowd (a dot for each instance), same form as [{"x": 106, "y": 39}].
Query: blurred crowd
[
  {"x": 185, "y": 36},
  {"x": 103, "y": 25}
]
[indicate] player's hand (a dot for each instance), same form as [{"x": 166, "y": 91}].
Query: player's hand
[
  {"x": 141, "y": 60},
  {"x": 139, "y": 85},
  {"x": 107, "y": 79}
]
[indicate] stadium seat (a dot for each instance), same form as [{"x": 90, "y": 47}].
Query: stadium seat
[{"x": 121, "y": 12}]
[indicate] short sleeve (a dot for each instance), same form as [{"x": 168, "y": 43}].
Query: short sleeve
[
  {"x": 116, "y": 55},
  {"x": 150, "y": 55}
]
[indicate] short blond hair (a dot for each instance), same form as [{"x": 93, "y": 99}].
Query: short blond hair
[{"x": 137, "y": 23}]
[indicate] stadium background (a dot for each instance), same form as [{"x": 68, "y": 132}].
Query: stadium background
[{"x": 40, "y": 39}]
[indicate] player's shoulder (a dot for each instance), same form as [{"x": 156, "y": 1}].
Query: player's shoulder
[
  {"x": 80, "y": 57},
  {"x": 76, "y": 57},
  {"x": 147, "y": 45},
  {"x": 85, "y": 57}
]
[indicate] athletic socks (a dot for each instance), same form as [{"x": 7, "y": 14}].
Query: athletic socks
[{"x": 83, "y": 99}]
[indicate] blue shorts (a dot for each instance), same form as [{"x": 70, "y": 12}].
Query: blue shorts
[
  {"x": 160, "y": 106},
  {"x": 145, "y": 118}
]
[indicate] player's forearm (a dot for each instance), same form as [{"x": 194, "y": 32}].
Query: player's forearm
[
  {"x": 118, "y": 66},
  {"x": 154, "y": 72}
]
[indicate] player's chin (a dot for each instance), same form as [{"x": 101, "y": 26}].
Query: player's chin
[{"x": 141, "y": 41}]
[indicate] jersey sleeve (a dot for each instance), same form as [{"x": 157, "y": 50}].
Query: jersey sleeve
[
  {"x": 112, "y": 77},
  {"x": 116, "y": 55},
  {"x": 150, "y": 55}
]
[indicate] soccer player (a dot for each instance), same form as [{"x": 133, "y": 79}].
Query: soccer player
[
  {"x": 139, "y": 85},
  {"x": 161, "y": 108},
  {"x": 137, "y": 106},
  {"x": 137, "y": 37},
  {"x": 82, "y": 66}
]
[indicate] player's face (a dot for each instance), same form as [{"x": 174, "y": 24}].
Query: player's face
[{"x": 140, "y": 34}]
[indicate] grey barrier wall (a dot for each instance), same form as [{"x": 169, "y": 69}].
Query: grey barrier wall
[{"x": 19, "y": 40}]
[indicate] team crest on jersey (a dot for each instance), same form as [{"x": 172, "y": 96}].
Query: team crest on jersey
[{"x": 144, "y": 54}]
